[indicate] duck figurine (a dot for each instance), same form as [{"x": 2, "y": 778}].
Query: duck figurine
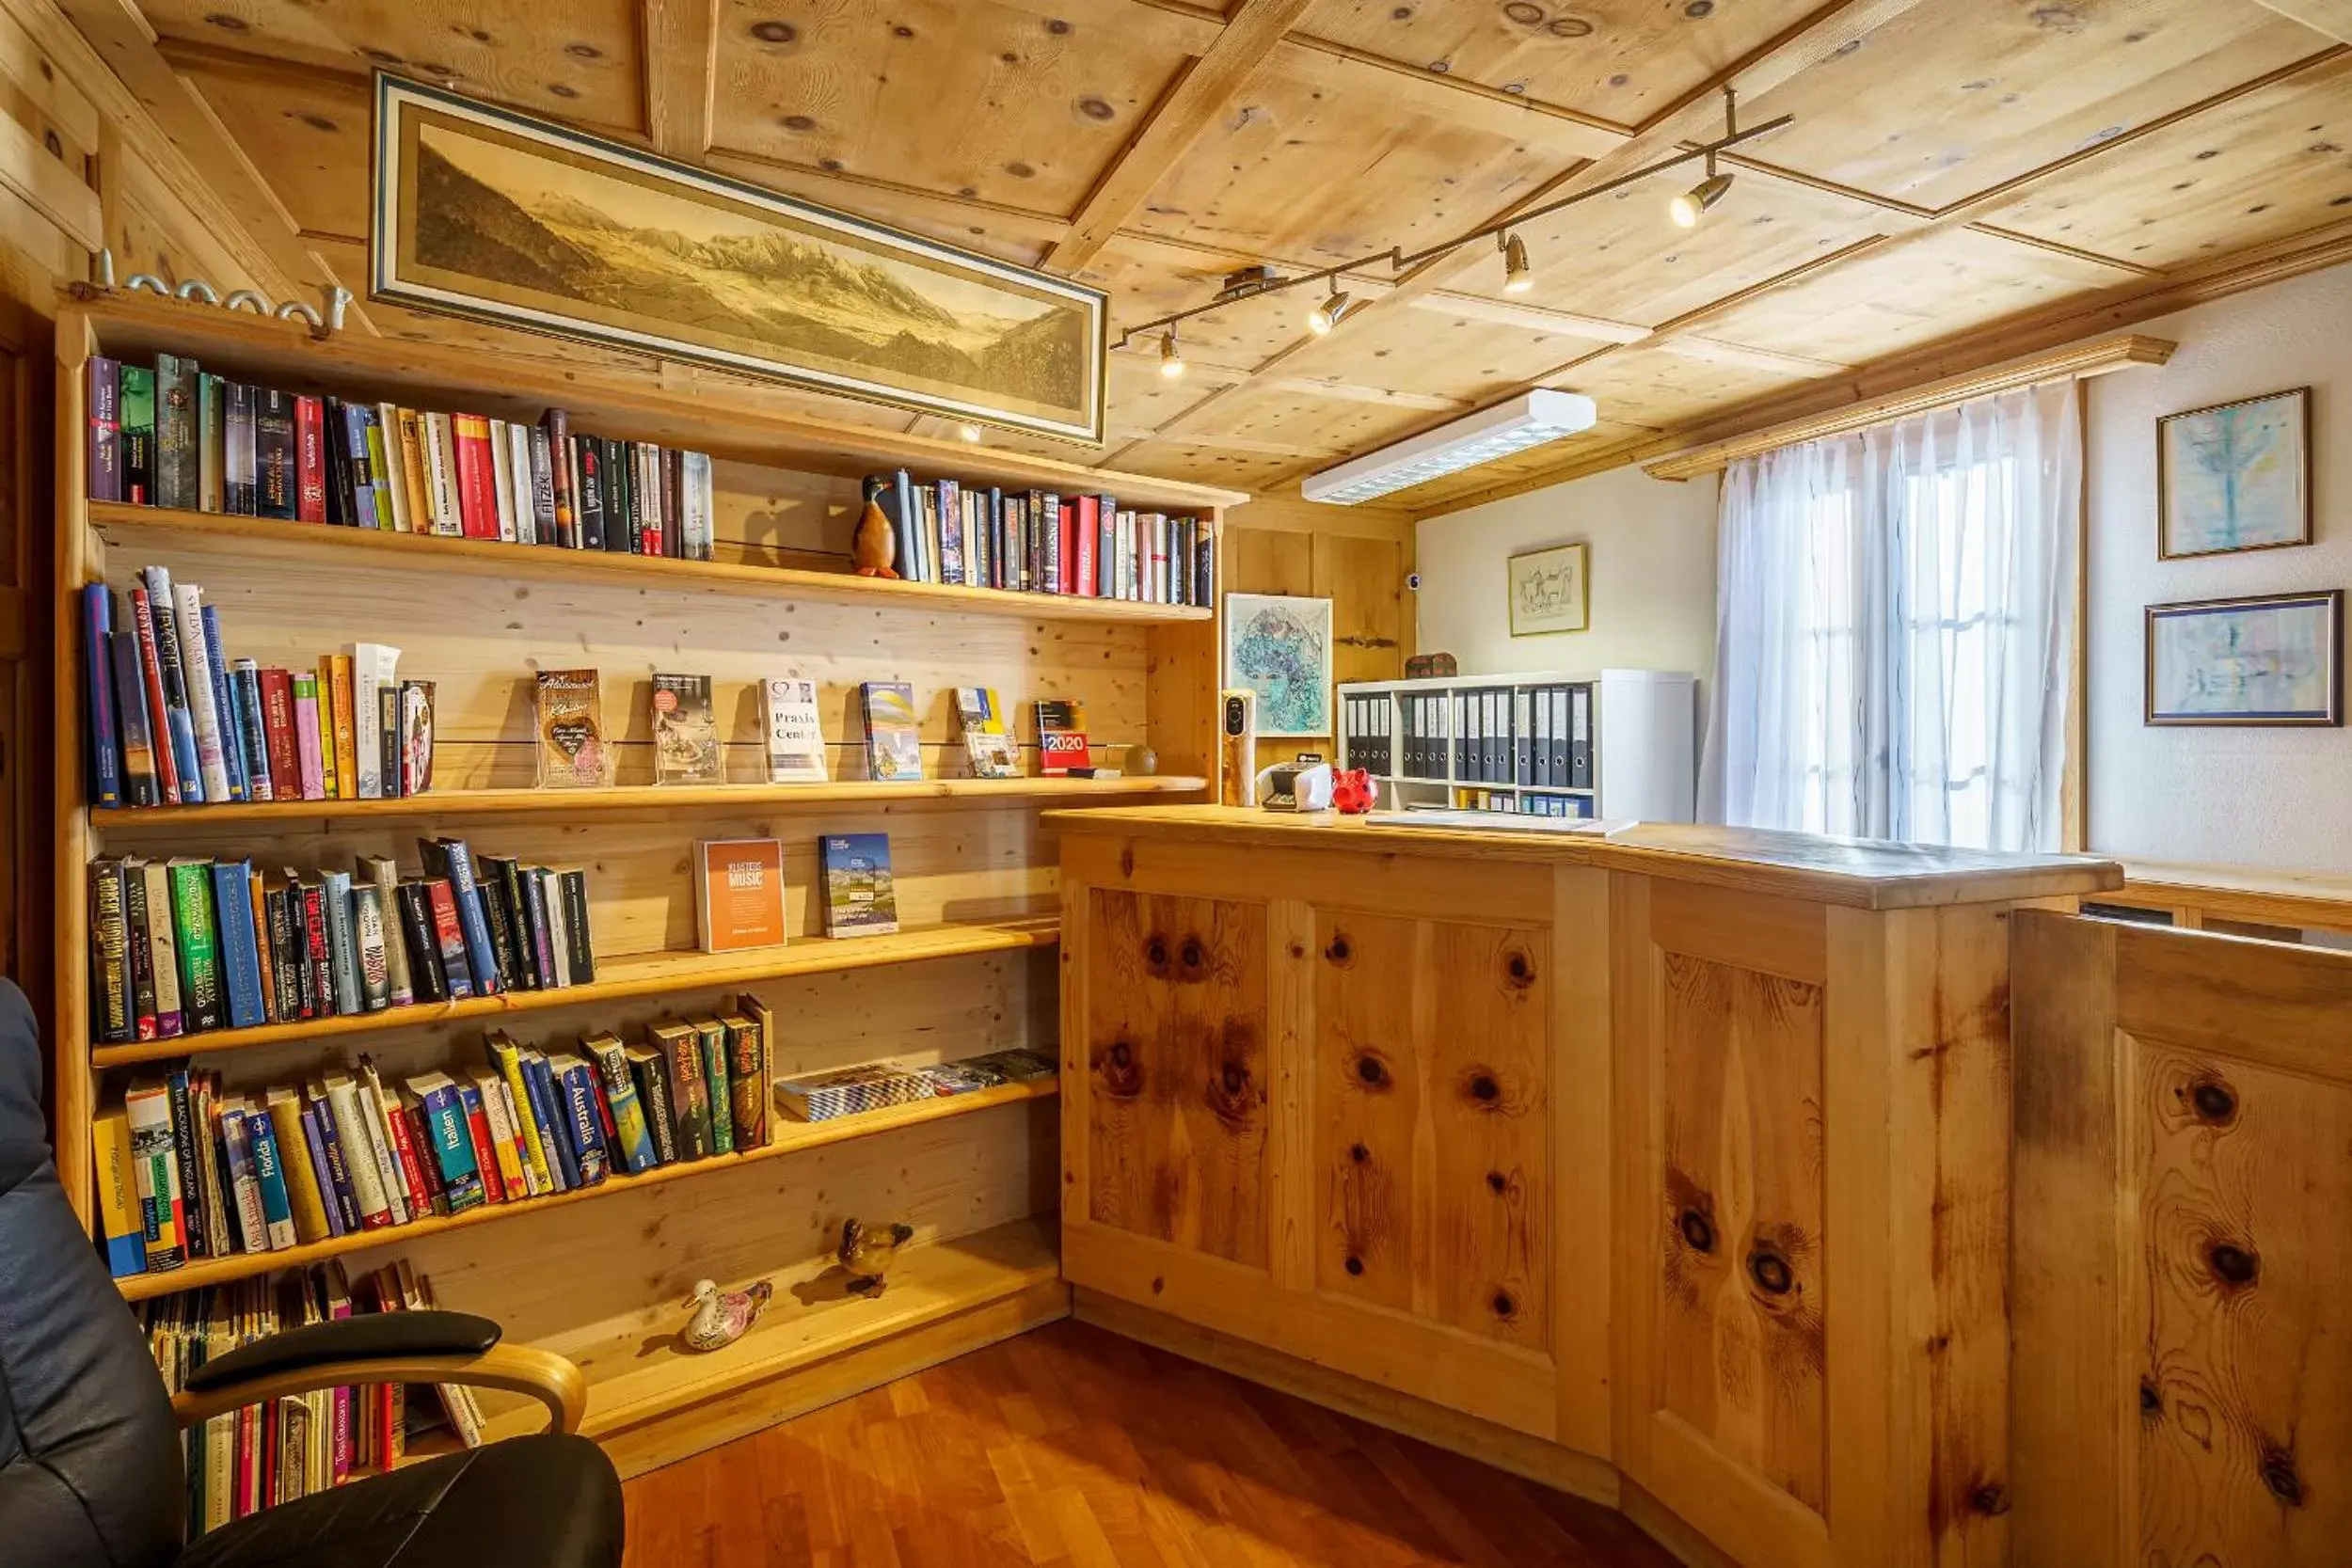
[
  {"x": 867, "y": 1252},
  {"x": 875, "y": 544},
  {"x": 721, "y": 1317}
]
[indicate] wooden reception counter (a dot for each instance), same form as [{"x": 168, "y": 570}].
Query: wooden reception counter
[{"x": 1670, "y": 1168}]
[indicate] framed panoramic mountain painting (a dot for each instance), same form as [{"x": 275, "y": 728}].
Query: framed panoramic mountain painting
[{"x": 497, "y": 216}]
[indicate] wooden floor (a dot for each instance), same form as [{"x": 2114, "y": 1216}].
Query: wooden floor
[{"x": 1072, "y": 1445}]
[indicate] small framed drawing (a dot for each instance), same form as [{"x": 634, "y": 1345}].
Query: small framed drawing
[
  {"x": 2277, "y": 658},
  {"x": 1280, "y": 648},
  {"x": 1549, "y": 591},
  {"x": 2236, "y": 476}
]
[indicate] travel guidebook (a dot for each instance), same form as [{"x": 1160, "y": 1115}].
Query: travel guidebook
[{"x": 860, "y": 897}]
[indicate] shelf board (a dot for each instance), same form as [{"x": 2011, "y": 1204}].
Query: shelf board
[
  {"x": 628, "y": 976},
  {"x": 637, "y": 1374},
  {"x": 118, "y": 820},
  {"x": 1474, "y": 783},
  {"x": 787, "y": 1137},
  {"x": 130, "y": 528}
]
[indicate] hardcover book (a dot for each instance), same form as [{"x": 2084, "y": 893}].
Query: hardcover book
[
  {"x": 893, "y": 751},
  {"x": 571, "y": 730},
  {"x": 1061, "y": 735},
  {"x": 138, "y": 435},
  {"x": 988, "y": 742},
  {"x": 860, "y": 897},
  {"x": 176, "y": 432},
  {"x": 738, "y": 893},
  {"x": 685, "y": 731},
  {"x": 796, "y": 742},
  {"x": 416, "y": 739}
]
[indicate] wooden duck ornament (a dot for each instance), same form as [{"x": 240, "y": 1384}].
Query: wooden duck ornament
[
  {"x": 875, "y": 545},
  {"x": 867, "y": 1252},
  {"x": 721, "y": 1317}
]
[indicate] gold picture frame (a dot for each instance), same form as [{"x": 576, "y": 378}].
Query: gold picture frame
[
  {"x": 2234, "y": 475},
  {"x": 1549, "y": 591},
  {"x": 491, "y": 216}
]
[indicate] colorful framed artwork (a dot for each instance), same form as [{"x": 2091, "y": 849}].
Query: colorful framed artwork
[
  {"x": 2236, "y": 476},
  {"x": 2272, "y": 659},
  {"x": 1280, "y": 648},
  {"x": 500, "y": 217},
  {"x": 1549, "y": 591}
]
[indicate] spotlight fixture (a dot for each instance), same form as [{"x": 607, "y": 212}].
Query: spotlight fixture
[
  {"x": 970, "y": 432},
  {"x": 1172, "y": 362},
  {"x": 1517, "y": 277},
  {"x": 1686, "y": 209},
  {"x": 1325, "y": 316}
]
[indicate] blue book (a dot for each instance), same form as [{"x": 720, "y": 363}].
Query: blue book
[
  {"x": 315, "y": 1146},
  {"x": 546, "y": 1103},
  {"x": 342, "y": 942},
  {"x": 338, "y": 1171},
  {"x": 240, "y": 954},
  {"x": 138, "y": 758},
  {"x": 232, "y": 756},
  {"x": 903, "y": 517},
  {"x": 106, "y": 740},
  {"x": 949, "y": 496},
  {"x": 449, "y": 858},
  {"x": 578, "y": 1083},
  {"x": 244, "y": 704},
  {"x": 261, "y": 1138},
  {"x": 241, "y": 1184},
  {"x": 452, "y": 1138},
  {"x": 362, "y": 496}
]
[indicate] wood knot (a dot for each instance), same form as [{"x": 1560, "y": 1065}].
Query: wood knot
[
  {"x": 2151, "y": 1397},
  {"x": 1354, "y": 1265},
  {"x": 1699, "y": 1232},
  {"x": 2231, "y": 1264},
  {"x": 1522, "y": 972},
  {"x": 1190, "y": 954},
  {"x": 1359, "y": 1153},
  {"x": 1771, "y": 1272},
  {"x": 1337, "y": 951},
  {"x": 1155, "y": 952},
  {"x": 2279, "y": 1475},
  {"x": 1123, "y": 1074},
  {"x": 2216, "y": 1104},
  {"x": 1234, "y": 1078},
  {"x": 1504, "y": 1304},
  {"x": 1497, "y": 1181},
  {"x": 1992, "y": 1500},
  {"x": 1483, "y": 1087},
  {"x": 1297, "y": 950},
  {"x": 1368, "y": 1068}
]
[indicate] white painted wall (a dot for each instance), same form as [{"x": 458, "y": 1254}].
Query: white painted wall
[
  {"x": 2244, "y": 797},
  {"x": 1652, "y": 565}
]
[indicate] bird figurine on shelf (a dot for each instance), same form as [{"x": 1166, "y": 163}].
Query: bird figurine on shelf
[
  {"x": 867, "y": 1251},
  {"x": 875, "y": 545},
  {"x": 721, "y": 1317}
]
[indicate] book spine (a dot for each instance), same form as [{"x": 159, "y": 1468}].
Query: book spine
[
  {"x": 375, "y": 666},
  {"x": 542, "y": 486},
  {"x": 362, "y": 1160},
  {"x": 342, "y": 944},
  {"x": 277, "y": 722},
  {"x": 138, "y": 782},
  {"x": 554, "y": 1122},
  {"x": 184, "y": 1137},
  {"x": 175, "y": 431},
  {"x": 477, "y": 509},
  {"x": 748, "y": 1082},
  {"x": 322, "y": 690},
  {"x": 407, "y": 1161},
  {"x": 350, "y": 772},
  {"x": 199, "y": 955},
  {"x": 309, "y": 445},
  {"x": 712, "y": 1042},
  {"x": 244, "y": 1186},
  {"x": 110, "y": 954},
  {"x": 381, "y": 478},
  {"x": 157, "y": 1167},
  {"x": 369, "y": 934},
  {"x": 358, "y": 478},
  {"x": 102, "y": 735},
  {"x": 232, "y": 755},
  {"x": 277, "y": 456},
  {"x": 522, "y": 497},
  {"x": 305, "y": 713},
  {"x": 245, "y": 707},
  {"x": 450, "y": 938},
  {"x": 315, "y": 1214},
  {"x": 452, "y": 1136},
  {"x": 105, "y": 429},
  {"x": 238, "y": 488},
  {"x": 480, "y": 954},
  {"x": 653, "y": 1095},
  {"x": 507, "y": 1062},
  {"x": 160, "y": 645},
  {"x": 587, "y": 1132},
  {"x": 557, "y": 432},
  {"x": 240, "y": 961},
  {"x": 269, "y": 1174},
  {"x": 196, "y": 667},
  {"x": 118, "y": 1207},
  {"x": 139, "y": 958},
  {"x": 483, "y": 1144},
  {"x": 211, "y": 443},
  {"x": 337, "y": 1176},
  {"x": 579, "y": 957},
  {"x": 318, "y": 947},
  {"x": 421, "y": 948},
  {"x": 163, "y": 950}
]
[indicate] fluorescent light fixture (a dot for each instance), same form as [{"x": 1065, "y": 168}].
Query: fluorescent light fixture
[{"x": 1528, "y": 421}]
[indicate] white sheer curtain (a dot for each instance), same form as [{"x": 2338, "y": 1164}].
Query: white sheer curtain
[{"x": 1895, "y": 629}]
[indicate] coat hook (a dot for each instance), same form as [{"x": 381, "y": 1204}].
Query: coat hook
[
  {"x": 294, "y": 307},
  {"x": 246, "y": 299},
  {"x": 196, "y": 287},
  {"x": 147, "y": 280},
  {"x": 338, "y": 300},
  {"x": 105, "y": 266}
]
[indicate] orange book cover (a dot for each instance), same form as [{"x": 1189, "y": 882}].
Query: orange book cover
[
  {"x": 338, "y": 674},
  {"x": 738, "y": 893},
  {"x": 332, "y": 715}
]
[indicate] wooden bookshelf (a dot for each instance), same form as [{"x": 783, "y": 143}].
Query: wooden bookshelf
[
  {"x": 789, "y": 1137},
  {"x": 625, "y": 977},
  {"x": 973, "y": 867},
  {"x": 643, "y": 798}
]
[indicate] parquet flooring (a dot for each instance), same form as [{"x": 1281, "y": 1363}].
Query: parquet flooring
[{"x": 1072, "y": 1448}]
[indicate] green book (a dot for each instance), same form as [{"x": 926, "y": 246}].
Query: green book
[
  {"x": 201, "y": 997},
  {"x": 211, "y": 442},
  {"x": 712, "y": 1035},
  {"x": 176, "y": 443},
  {"x": 138, "y": 435}
]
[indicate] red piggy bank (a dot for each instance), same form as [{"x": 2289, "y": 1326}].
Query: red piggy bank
[{"x": 1352, "y": 792}]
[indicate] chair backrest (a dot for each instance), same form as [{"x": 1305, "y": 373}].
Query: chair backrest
[{"x": 89, "y": 1458}]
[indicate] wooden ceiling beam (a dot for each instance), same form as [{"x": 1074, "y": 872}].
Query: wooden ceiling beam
[
  {"x": 1200, "y": 93},
  {"x": 2331, "y": 17},
  {"x": 681, "y": 56}
]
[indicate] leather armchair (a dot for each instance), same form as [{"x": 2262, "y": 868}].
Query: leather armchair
[{"x": 90, "y": 1467}]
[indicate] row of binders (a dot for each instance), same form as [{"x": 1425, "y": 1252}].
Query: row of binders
[
  {"x": 296, "y": 1444},
  {"x": 189, "y": 945},
  {"x": 1040, "y": 542},
  {"x": 172, "y": 720},
  {"x": 177, "y": 435},
  {"x": 1538, "y": 738},
  {"x": 187, "y": 1171}
]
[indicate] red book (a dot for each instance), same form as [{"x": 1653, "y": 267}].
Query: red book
[
  {"x": 321, "y": 1002},
  {"x": 412, "y": 1174},
  {"x": 1089, "y": 523},
  {"x": 428, "y": 1164},
  {"x": 150, "y": 665},
  {"x": 486, "y": 1150},
  {"x": 277, "y": 725},
  {"x": 646, "y": 487},
  {"x": 450, "y": 935},
  {"x": 309, "y": 461},
  {"x": 1067, "y": 522},
  {"x": 477, "y": 504}
]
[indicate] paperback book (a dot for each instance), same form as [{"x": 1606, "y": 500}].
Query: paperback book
[
  {"x": 861, "y": 898},
  {"x": 738, "y": 893},
  {"x": 572, "y": 743},
  {"x": 796, "y": 742},
  {"x": 894, "y": 750},
  {"x": 988, "y": 743},
  {"x": 685, "y": 731}
]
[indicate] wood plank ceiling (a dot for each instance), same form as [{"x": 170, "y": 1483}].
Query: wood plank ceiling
[{"x": 1964, "y": 179}]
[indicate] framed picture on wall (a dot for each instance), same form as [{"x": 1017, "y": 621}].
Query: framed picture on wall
[
  {"x": 1280, "y": 647},
  {"x": 1549, "y": 591},
  {"x": 2235, "y": 476},
  {"x": 2272, "y": 659}
]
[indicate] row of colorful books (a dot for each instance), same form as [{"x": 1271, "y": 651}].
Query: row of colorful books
[
  {"x": 171, "y": 719},
  {"x": 187, "y": 1171},
  {"x": 177, "y": 435},
  {"x": 1038, "y": 541},
  {"x": 826, "y": 1096},
  {"x": 298, "y": 1445},
  {"x": 188, "y": 945}
]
